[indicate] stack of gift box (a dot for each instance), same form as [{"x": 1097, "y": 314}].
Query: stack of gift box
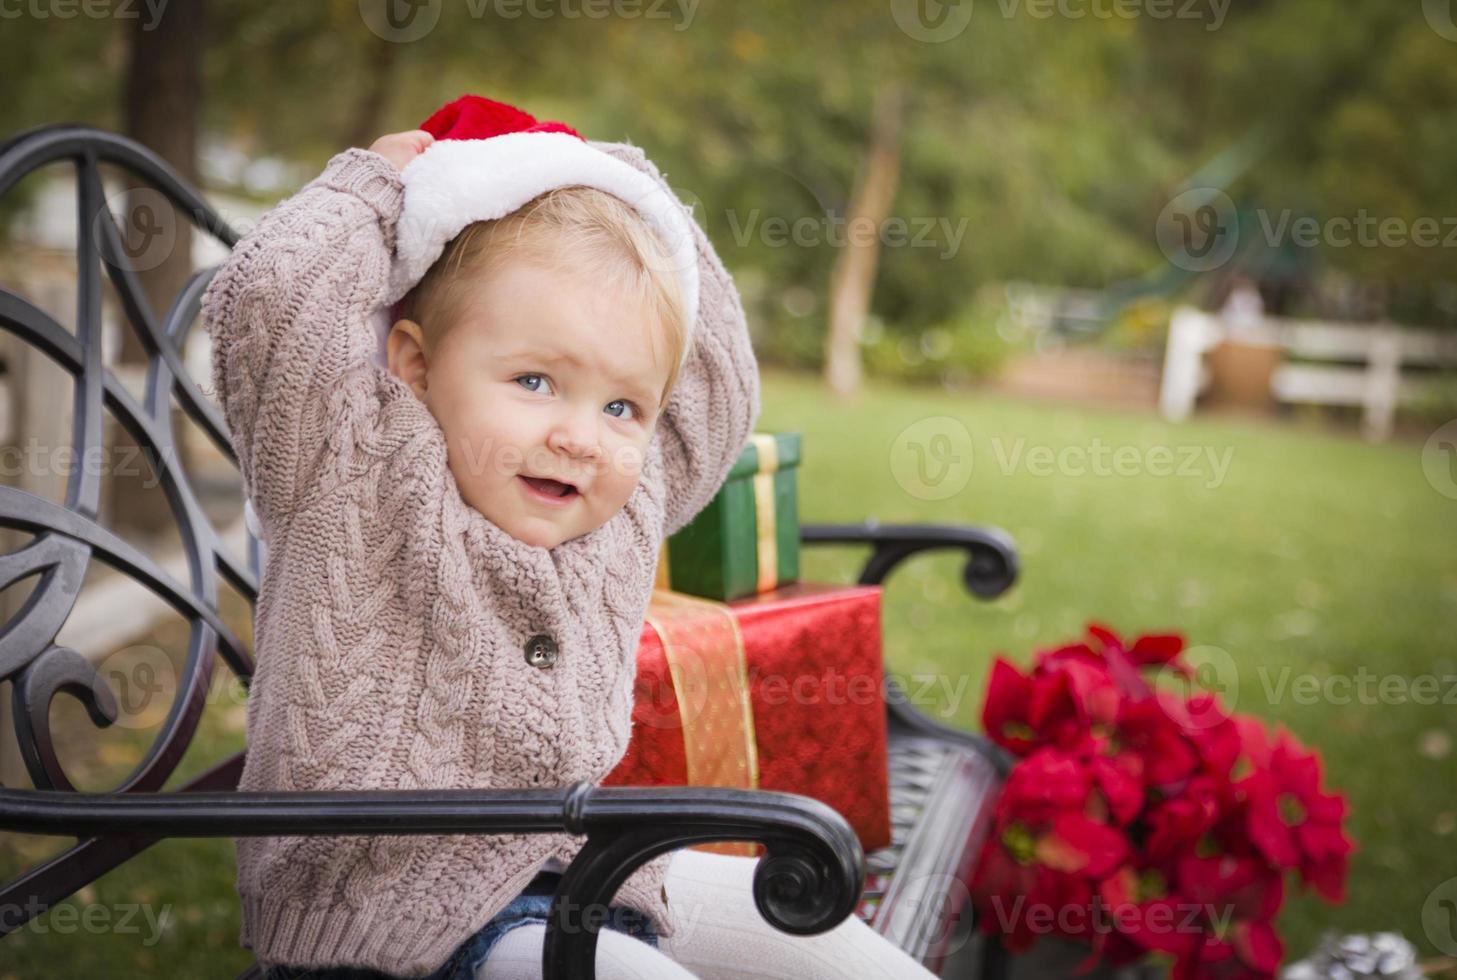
[{"x": 751, "y": 679}]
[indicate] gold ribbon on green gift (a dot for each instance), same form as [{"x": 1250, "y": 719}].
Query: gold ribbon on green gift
[
  {"x": 768, "y": 543},
  {"x": 705, "y": 654},
  {"x": 765, "y": 519}
]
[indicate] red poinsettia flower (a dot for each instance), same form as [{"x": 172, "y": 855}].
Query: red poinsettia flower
[
  {"x": 1216, "y": 923},
  {"x": 1146, "y": 728},
  {"x": 1096, "y": 695},
  {"x": 1044, "y": 784},
  {"x": 1118, "y": 777},
  {"x": 1230, "y": 887},
  {"x": 1247, "y": 951},
  {"x": 1154, "y": 649},
  {"x": 1176, "y": 825},
  {"x": 1077, "y": 845},
  {"x": 1213, "y": 732},
  {"x": 1024, "y": 712},
  {"x": 1293, "y": 822},
  {"x": 1017, "y": 896},
  {"x": 1159, "y": 810}
]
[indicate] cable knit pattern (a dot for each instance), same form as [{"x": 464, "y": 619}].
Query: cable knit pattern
[{"x": 392, "y": 617}]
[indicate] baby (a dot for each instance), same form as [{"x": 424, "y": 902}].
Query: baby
[
  {"x": 461, "y": 542},
  {"x": 545, "y": 344}
]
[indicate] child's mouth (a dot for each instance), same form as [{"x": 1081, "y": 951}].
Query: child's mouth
[{"x": 553, "y": 491}]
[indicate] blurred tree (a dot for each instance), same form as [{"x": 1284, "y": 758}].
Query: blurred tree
[
  {"x": 161, "y": 109},
  {"x": 1359, "y": 100},
  {"x": 852, "y": 281},
  {"x": 1031, "y": 147}
]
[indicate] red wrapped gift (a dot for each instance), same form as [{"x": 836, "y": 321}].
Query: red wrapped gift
[{"x": 808, "y": 657}]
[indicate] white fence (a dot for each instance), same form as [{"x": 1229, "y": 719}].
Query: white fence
[{"x": 1380, "y": 352}]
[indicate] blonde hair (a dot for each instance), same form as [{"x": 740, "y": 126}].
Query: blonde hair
[{"x": 597, "y": 233}]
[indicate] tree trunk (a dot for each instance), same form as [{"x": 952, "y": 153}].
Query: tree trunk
[
  {"x": 853, "y": 279},
  {"x": 162, "y": 110},
  {"x": 379, "y": 71}
]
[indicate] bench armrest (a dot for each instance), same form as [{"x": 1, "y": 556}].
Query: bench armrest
[
  {"x": 808, "y": 881},
  {"x": 991, "y": 557},
  {"x": 991, "y": 569}
]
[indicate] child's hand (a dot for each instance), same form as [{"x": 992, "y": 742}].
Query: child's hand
[{"x": 400, "y": 148}]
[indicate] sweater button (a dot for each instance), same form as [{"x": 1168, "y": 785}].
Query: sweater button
[{"x": 541, "y": 651}]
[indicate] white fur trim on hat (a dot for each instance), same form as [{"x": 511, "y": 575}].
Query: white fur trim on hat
[{"x": 456, "y": 182}]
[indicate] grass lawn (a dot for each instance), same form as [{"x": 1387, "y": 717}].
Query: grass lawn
[{"x": 1320, "y": 571}]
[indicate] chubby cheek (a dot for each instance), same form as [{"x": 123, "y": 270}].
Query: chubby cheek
[
  {"x": 470, "y": 463},
  {"x": 623, "y": 475}
]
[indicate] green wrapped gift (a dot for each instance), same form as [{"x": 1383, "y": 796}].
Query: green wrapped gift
[{"x": 747, "y": 539}]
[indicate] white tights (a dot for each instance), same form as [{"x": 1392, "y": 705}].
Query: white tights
[{"x": 720, "y": 936}]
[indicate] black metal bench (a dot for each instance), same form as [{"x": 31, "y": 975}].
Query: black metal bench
[{"x": 813, "y": 874}]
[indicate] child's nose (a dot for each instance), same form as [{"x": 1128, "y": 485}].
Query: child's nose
[{"x": 575, "y": 434}]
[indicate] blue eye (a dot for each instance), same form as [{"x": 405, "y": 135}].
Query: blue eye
[
  {"x": 522, "y": 381},
  {"x": 627, "y": 404}
]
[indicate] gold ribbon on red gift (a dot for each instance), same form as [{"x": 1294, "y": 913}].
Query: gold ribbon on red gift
[{"x": 705, "y": 655}]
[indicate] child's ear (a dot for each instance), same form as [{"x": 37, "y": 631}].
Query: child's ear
[{"x": 405, "y": 352}]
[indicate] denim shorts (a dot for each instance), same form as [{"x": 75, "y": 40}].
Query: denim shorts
[{"x": 532, "y": 905}]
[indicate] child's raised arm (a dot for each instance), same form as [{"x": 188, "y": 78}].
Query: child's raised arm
[
  {"x": 288, "y": 313},
  {"x": 715, "y": 403}
]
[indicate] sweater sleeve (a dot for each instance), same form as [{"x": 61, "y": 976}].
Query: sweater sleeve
[
  {"x": 715, "y": 404},
  {"x": 288, "y": 313}
]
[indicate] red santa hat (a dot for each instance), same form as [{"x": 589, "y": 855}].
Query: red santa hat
[{"x": 488, "y": 160}]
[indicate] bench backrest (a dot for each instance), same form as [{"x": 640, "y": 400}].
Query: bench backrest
[{"x": 53, "y": 544}]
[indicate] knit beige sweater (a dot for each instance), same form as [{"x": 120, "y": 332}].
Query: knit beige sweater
[{"x": 392, "y": 617}]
